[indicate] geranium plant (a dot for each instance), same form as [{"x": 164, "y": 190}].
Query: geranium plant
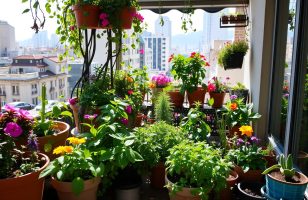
[
  {"x": 190, "y": 70},
  {"x": 160, "y": 81},
  {"x": 216, "y": 85},
  {"x": 238, "y": 113}
]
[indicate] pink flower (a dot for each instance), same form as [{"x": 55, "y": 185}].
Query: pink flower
[
  {"x": 13, "y": 129},
  {"x": 124, "y": 121},
  {"x": 130, "y": 92},
  {"x": 138, "y": 16},
  {"x": 10, "y": 108},
  {"x": 73, "y": 101},
  {"x": 104, "y": 19},
  {"x": 90, "y": 117},
  {"x": 25, "y": 114},
  {"x": 141, "y": 51},
  {"x": 72, "y": 28},
  {"x": 211, "y": 87},
  {"x": 128, "y": 109}
]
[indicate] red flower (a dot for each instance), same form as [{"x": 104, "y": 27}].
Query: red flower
[
  {"x": 192, "y": 54},
  {"x": 211, "y": 87},
  {"x": 130, "y": 92},
  {"x": 233, "y": 106},
  {"x": 207, "y": 64},
  {"x": 170, "y": 58}
]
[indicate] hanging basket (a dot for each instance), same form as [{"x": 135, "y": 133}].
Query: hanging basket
[
  {"x": 126, "y": 16},
  {"x": 87, "y": 16},
  {"x": 235, "y": 61}
]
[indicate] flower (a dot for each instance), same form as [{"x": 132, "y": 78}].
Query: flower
[
  {"x": 13, "y": 129},
  {"x": 232, "y": 97},
  {"x": 170, "y": 58},
  {"x": 63, "y": 150},
  {"x": 104, "y": 19},
  {"x": 72, "y": 28},
  {"x": 254, "y": 140},
  {"x": 152, "y": 85},
  {"x": 193, "y": 54},
  {"x": 233, "y": 106},
  {"x": 32, "y": 142},
  {"x": 10, "y": 108},
  {"x": 76, "y": 141},
  {"x": 239, "y": 141},
  {"x": 73, "y": 101},
  {"x": 90, "y": 117},
  {"x": 25, "y": 114},
  {"x": 138, "y": 16},
  {"x": 124, "y": 121},
  {"x": 211, "y": 87},
  {"x": 141, "y": 51},
  {"x": 130, "y": 92},
  {"x": 246, "y": 130},
  {"x": 129, "y": 79},
  {"x": 161, "y": 80},
  {"x": 128, "y": 109}
]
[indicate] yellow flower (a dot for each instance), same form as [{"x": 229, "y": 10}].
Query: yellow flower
[
  {"x": 246, "y": 130},
  {"x": 76, "y": 141},
  {"x": 68, "y": 149},
  {"x": 59, "y": 150},
  {"x": 130, "y": 79}
]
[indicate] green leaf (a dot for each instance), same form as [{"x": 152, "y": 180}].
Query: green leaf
[
  {"x": 26, "y": 10},
  {"x": 56, "y": 111},
  {"x": 93, "y": 131},
  {"x": 48, "y": 170},
  {"x": 87, "y": 153},
  {"x": 24, "y": 1},
  {"x": 35, "y": 5},
  {"x": 77, "y": 185},
  {"x": 61, "y": 160},
  {"x": 211, "y": 101},
  {"x": 60, "y": 175},
  {"x": 66, "y": 113},
  {"x": 268, "y": 170},
  {"x": 48, "y": 147},
  {"x": 129, "y": 142}
]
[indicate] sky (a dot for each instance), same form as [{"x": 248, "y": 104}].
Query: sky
[{"x": 11, "y": 11}]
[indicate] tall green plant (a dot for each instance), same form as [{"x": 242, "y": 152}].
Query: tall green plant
[{"x": 163, "y": 108}]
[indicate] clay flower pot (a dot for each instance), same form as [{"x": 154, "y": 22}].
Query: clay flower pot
[
  {"x": 55, "y": 140},
  {"x": 126, "y": 17},
  {"x": 176, "y": 98},
  {"x": 218, "y": 99},
  {"x": 64, "y": 189},
  {"x": 197, "y": 95},
  {"x": 28, "y": 186},
  {"x": 87, "y": 16},
  {"x": 157, "y": 177},
  {"x": 226, "y": 194}
]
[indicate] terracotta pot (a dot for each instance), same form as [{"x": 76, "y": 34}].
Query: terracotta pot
[
  {"x": 176, "y": 98},
  {"x": 54, "y": 140},
  {"x": 239, "y": 171},
  {"x": 226, "y": 194},
  {"x": 138, "y": 120},
  {"x": 252, "y": 176},
  {"x": 184, "y": 194},
  {"x": 197, "y": 95},
  {"x": 126, "y": 17},
  {"x": 235, "y": 130},
  {"x": 64, "y": 189},
  {"x": 232, "y": 180},
  {"x": 87, "y": 16},
  {"x": 157, "y": 177},
  {"x": 218, "y": 99},
  {"x": 26, "y": 187},
  {"x": 270, "y": 159},
  {"x": 151, "y": 121}
]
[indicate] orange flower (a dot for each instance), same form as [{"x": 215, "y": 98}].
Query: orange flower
[
  {"x": 246, "y": 130},
  {"x": 233, "y": 106},
  {"x": 68, "y": 149},
  {"x": 130, "y": 79},
  {"x": 152, "y": 85}
]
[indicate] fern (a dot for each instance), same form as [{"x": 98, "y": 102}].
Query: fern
[{"x": 163, "y": 108}]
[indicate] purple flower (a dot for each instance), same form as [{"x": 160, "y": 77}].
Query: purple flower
[
  {"x": 32, "y": 142},
  {"x": 286, "y": 95},
  {"x": 124, "y": 121},
  {"x": 239, "y": 141},
  {"x": 233, "y": 97},
  {"x": 25, "y": 114},
  {"x": 247, "y": 143},
  {"x": 73, "y": 101},
  {"x": 10, "y": 108},
  {"x": 13, "y": 129},
  {"x": 90, "y": 117},
  {"x": 128, "y": 109},
  {"x": 254, "y": 140}
]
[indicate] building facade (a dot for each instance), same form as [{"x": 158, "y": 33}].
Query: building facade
[
  {"x": 23, "y": 79},
  {"x": 7, "y": 40}
]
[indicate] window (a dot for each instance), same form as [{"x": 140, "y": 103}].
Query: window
[
  {"x": 30, "y": 61},
  {"x": 35, "y": 101},
  {"x": 16, "y": 100},
  {"x": 21, "y": 70},
  {"x": 16, "y": 61},
  {"x": 34, "y": 88},
  {"x": 15, "y": 90},
  {"x": 2, "y": 90}
]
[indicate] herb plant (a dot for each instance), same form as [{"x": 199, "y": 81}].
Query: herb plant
[
  {"x": 163, "y": 108},
  {"x": 285, "y": 165}
]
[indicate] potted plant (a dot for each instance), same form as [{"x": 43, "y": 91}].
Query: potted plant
[
  {"x": 51, "y": 133},
  {"x": 19, "y": 166},
  {"x": 247, "y": 154},
  {"x": 231, "y": 56},
  {"x": 157, "y": 84},
  {"x": 239, "y": 114},
  {"x": 269, "y": 155},
  {"x": 195, "y": 126},
  {"x": 153, "y": 143},
  {"x": 283, "y": 181},
  {"x": 203, "y": 170},
  {"x": 75, "y": 174},
  {"x": 163, "y": 108},
  {"x": 217, "y": 90},
  {"x": 141, "y": 79},
  {"x": 240, "y": 91},
  {"x": 190, "y": 71},
  {"x": 176, "y": 97}
]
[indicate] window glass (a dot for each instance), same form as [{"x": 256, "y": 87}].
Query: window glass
[{"x": 287, "y": 73}]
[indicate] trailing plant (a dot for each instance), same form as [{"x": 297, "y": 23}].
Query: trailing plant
[
  {"x": 197, "y": 166},
  {"x": 240, "y": 47},
  {"x": 191, "y": 71},
  {"x": 285, "y": 166},
  {"x": 239, "y": 86},
  {"x": 195, "y": 126},
  {"x": 163, "y": 108},
  {"x": 141, "y": 79}
]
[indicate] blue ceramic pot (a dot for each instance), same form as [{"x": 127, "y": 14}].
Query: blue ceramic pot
[{"x": 284, "y": 190}]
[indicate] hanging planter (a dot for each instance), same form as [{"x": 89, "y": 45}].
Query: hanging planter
[
  {"x": 126, "y": 17},
  {"x": 231, "y": 21},
  {"x": 87, "y": 16}
]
